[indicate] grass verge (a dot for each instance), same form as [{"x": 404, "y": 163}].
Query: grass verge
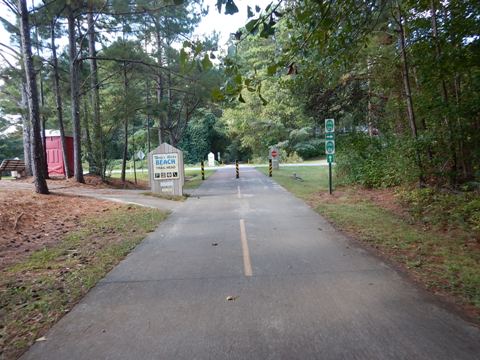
[
  {"x": 166, "y": 196},
  {"x": 446, "y": 262},
  {"x": 37, "y": 292},
  {"x": 193, "y": 178}
]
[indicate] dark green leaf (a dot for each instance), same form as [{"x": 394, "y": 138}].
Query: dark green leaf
[
  {"x": 219, "y": 5},
  {"x": 178, "y": 2},
  {"x": 198, "y": 48},
  {"x": 272, "y": 69},
  {"x": 249, "y": 12},
  {"x": 217, "y": 94},
  {"x": 267, "y": 30},
  {"x": 183, "y": 58},
  {"x": 264, "y": 102},
  {"x": 238, "y": 79},
  {"x": 251, "y": 25},
  {"x": 206, "y": 63},
  {"x": 230, "y": 7}
]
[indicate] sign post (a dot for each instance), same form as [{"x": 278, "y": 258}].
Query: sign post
[
  {"x": 330, "y": 149},
  {"x": 166, "y": 170},
  {"x": 211, "y": 159},
  {"x": 274, "y": 156}
]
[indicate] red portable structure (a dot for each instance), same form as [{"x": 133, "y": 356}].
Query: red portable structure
[{"x": 55, "y": 159}]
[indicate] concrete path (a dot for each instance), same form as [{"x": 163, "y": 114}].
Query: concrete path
[{"x": 298, "y": 290}]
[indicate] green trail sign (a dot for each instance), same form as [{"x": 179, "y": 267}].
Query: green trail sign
[
  {"x": 330, "y": 148},
  {"x": 329, "y": 125}
]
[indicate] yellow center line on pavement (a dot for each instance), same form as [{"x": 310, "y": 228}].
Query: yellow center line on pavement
[{"x": 247, "y": 265}]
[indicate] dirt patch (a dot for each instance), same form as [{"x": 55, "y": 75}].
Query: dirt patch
[
  {"x": 29, "y": 221},
  {"x": 91, "y": 181},
  {"x": 384, "y": 198}
]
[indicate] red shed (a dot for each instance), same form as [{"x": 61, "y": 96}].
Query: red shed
[{"x": 55, "y": 153}]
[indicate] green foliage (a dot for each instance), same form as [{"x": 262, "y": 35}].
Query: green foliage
[
  {"x": 374, "y": 161},
  {"x": 11, "y": 146},
  {"x": 445, "y": 209},
  {"x": 203, "y": 135}
]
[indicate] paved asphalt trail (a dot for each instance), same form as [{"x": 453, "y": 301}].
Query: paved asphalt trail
[{"x": 312, "y": 294}]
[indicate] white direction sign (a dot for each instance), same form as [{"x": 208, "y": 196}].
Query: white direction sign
[
  {"x": 165, "y": 166},
  {"x": 140, "y": 155}
]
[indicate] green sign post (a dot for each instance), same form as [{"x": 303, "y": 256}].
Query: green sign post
[{"x": 330, "y": 148}]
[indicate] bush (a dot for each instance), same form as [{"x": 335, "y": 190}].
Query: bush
[
  {"x": 292, "y": 158},
  {"x": 444, "y": 208},
  {"x": 374, "y": 161},
  {"x": 310, "y": 149}
]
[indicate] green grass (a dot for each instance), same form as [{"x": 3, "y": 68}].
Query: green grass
[
  {"x": 142, "y": 176},
  {"x": 38, "y": 291},
  {"x": 447, "y": 262},
  {"x": 194, "y": 178},
  {"x": 314, "y": 179}
]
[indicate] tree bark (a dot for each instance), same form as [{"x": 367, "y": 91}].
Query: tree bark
[
  {"x": 88, "y": 139},
  {"x": 125, "y": 143},
  {"x": 32, "y": 98},
  {"x": 59, "y": 103},
  {"x": 160, "y": 86},
  {"x": 408, "y": 95},
  {"x": 448, "y": 123},
  {"x": 27, "y": 148},
  {"x": 98, "y": 147},
  {"x": 74, "y": 89},
  {"x": 42, "y": 109}
]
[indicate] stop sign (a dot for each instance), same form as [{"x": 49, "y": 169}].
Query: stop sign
[{"x": 274, "y": 153}]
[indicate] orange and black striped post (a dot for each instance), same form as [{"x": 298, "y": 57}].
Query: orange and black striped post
[
  {"x": 270, "y": 167},
  {"x": 203, "y": 170},
  {"x": 237, "y": 171}
]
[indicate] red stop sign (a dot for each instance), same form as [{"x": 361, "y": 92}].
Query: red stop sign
[{"x": 274, "y": 153}]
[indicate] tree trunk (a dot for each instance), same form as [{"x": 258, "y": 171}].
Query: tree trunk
[
  {"x": 160, "y": 89},
  {"x": 125, "y": 144},
  {"x": 32, "y": 98},
  {"x": 27, "y": 148},
  {"x": 98, "y": 147},
  {"x": 448, "y": 123},
  {"x": 408, "y": 95},
  {"x": 169, "y": 107},
  {"x": 74, "y": 88},
  {"x": 42, "y": 109},
  {"x": 58, "y": 102},
  {"x": 88, "y": 139}
]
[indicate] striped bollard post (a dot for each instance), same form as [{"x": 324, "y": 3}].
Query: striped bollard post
[
  {"x": 237, "y": 171},
  {"x": 203, "y": 170},
  {"x": 270, "y": 167}
]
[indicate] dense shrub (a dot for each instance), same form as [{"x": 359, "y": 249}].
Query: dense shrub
[
  {"x": 374, "y": 161},
  {"x": 444, "y": 208},
  {"x": 310, "y": 148}
]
